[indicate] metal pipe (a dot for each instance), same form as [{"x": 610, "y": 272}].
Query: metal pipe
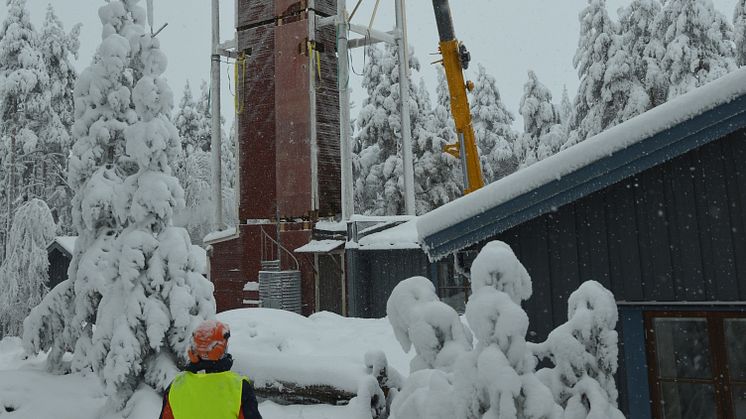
[
  {"x": 313, "y": 118},
  {"x": 444, "y": 20},
  {"x": 345, "y": 131},
  {"x": 217, "y": 170},
  {"x": 407, "y": 159}
]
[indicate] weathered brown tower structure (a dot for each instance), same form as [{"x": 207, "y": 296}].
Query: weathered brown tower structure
[{"x": 288, "y": 145}]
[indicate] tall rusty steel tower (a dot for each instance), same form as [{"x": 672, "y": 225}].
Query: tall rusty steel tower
[{"x": 288, "y": 145}]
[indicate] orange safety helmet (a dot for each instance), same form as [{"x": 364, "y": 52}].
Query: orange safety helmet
[{"x": 209, "y": 341}]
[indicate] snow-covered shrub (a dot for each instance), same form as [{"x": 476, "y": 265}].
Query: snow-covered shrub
[
  {"x": 421, "y": 320},
  {"x": 427, "y": 394},
  {"x": 497, "y": 267},
  {"x": 23, "y": 274},
  {"x": 378, "y": 366},
  {"x": 584, "y": 353},
  {"x": 48, "y": 326},
  {"x": 497, "y": 379}
]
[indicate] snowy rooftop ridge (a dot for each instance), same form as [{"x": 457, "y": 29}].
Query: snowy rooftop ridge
[
  {"x": 605, "y": 144},
  {"x": 66, "y": 242},
  {"x": 402, "y": 236},
  {"x": 217, "y": 236}
]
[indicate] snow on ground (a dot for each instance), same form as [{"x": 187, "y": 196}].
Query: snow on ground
[
  {"x": 266, "y": 344},
  {"x": 322, "y": 349}
]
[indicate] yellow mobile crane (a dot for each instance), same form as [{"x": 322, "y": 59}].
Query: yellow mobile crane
[{"x": 455, "y": 60}]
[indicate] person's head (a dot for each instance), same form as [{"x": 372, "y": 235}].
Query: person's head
[{"x": 209, "y": 342}]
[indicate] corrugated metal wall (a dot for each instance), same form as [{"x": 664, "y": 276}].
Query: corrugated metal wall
[
  {"x": 275, "y": 149},
  {"x": 374, "y": 274},
  {"x": 59, "y": 262}
]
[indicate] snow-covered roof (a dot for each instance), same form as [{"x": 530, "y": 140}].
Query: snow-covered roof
[
  {"x": 320, "y": 246},
  {"x": 711, "y": 111},
  {"x": 67, "y": 243},
  {"x": 336, "y": 226},
  {"x": 219, "y": 236},
  {"x": 402, "y": 236}
]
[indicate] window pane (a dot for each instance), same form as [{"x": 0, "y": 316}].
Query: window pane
[
  {"x": 735, "y": 341},
  {"x": 739, "y": 402},
  {"x": 683, "y": 348},
  {"x": 688, "y": 401}
]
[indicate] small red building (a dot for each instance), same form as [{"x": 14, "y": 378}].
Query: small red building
[{"x": 288, "y": 147}]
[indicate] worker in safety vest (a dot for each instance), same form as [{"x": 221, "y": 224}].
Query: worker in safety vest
[{"x": 208, "y": 389}]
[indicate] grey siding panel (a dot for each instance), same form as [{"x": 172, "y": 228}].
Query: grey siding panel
[
  {"x": 535, "y": 256},
  {"x": 358, "y": 280},
  {"x": 624, "y": 254},
  {"x": 374, "y": 274},
  {"x": 593, "y": 248},
  {"x": 718, "y": 221},
  {"x": 734, "y": 150},
  {"x": 563, "y": 250},
  {"x": 686, "y": 251},
  {"x": 660, "y": 284}
]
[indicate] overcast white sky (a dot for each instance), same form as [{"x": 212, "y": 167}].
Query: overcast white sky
[{"x": 508, "y": 37}]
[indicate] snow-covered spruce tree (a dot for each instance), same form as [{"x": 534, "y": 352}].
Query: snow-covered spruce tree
[
  {"x": 58, "y": 49},
  {"x": 493, "y": 127},
  {"x": 24, "y": 106},
  {"x": 565, "y": 108},
  {"x": 622, "y": 94},
  {"x": 497, "y": 379},
  {"x": 698, "y": 44},
  {"x": 584, "y": 353},
  {"x": 23, "y": 274},
  {"x": 739, "y": 31},
  {"x": 193, "y": 166},
  {"x": 230, "y": 177},
  {"x": 445, "y": 128},
  {"x": 379, "y": 179},
  {"x": 203, "y": 138},
  {"x": 641, "y": 45},
  {"x": 435, "y": 183},
  {"x": 188, "y": 121},
  {"x": 159, "y": 296},
  {"x": 196, "y": 177},
  {"x": 596, "y": 43},
  {"x": 103, "y": 109},
  {"x": 543, "y": 133}
]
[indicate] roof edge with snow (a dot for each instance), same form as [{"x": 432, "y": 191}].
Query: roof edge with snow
[{"x": 661, "y": 134}]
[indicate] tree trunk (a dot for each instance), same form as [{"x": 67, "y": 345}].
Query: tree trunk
[{"x": 286, "y": 393}]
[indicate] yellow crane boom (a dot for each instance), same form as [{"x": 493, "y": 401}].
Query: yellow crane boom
[{"x": 455, "y": 60}]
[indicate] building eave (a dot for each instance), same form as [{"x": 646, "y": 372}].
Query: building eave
[{"x": 627, "y": 162}]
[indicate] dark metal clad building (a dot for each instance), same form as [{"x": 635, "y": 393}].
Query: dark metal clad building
[{"x": 662, "y": 223}]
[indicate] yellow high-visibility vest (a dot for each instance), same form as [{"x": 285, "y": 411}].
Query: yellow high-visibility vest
[{"x": 200, "y": 396}]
